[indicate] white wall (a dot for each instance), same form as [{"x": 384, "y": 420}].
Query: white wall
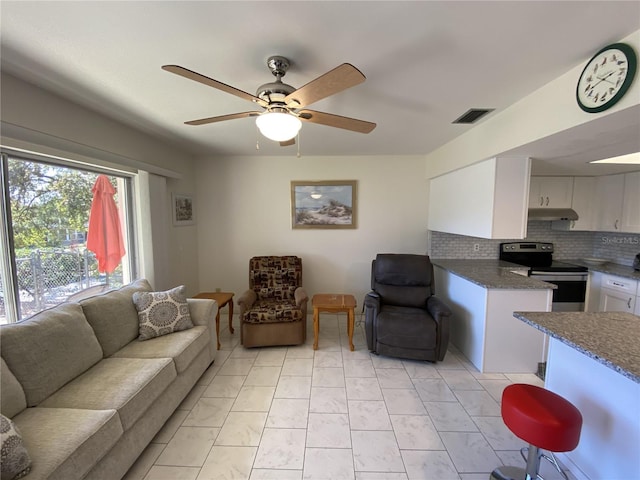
[
  {"x": 44, "y": 122},
  {"x": 243, "y": 210},
  {"x": 549, "y": 110},
  {"x": 182, "y": 252}
]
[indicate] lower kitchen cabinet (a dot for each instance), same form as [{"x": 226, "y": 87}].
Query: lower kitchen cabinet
[
  {"x": 618, "y": 294},
  {"x": 613, "y": 301}
]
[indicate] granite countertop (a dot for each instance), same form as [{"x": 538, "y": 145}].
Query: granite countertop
[
  {"x": 610, "y": 338},
  {"x": 610, "y": 268},
  {"x": 495, "y": 274}
]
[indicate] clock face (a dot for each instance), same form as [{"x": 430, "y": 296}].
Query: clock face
[{"x": 606, "y": 78}]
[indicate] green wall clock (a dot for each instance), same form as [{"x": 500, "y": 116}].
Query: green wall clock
[{"x": 606, "y": 78}]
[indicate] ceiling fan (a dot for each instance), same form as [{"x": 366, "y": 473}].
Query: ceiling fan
[{"x": 283, "y": 105}]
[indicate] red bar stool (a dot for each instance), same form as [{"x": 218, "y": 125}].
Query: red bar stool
[{"x": 543, "y": 419}]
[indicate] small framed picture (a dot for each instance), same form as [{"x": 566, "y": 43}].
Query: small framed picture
[
  {"x": 323, "y": 204},
  {"x": 183, "y": 212}
]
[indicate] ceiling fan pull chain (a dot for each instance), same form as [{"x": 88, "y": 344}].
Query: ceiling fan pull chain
[
  {"x": 298, "y": 143},
  {"x": 257, "y": 138}
]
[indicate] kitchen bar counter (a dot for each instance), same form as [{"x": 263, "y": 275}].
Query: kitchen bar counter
[
  {"x": 594, "y": 362},
  {"x": 610, "y": 338},
  {"x": 610, "y": 268},
  {"x": 492, "y": 274},
  {"x": 483, "y": 294}
]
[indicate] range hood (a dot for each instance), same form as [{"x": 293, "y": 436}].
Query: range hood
[{"x": 550, "y": 214}]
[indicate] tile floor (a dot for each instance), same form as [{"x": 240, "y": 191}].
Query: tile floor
[{"x": 294, "y": 413}]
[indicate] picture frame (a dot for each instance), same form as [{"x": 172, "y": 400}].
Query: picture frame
[
  {"x": 182, "y": 207},
  {"x": 327, "y": 204}
]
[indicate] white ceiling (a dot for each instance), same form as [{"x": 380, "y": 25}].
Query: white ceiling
[{"x": 426, "y": 62}]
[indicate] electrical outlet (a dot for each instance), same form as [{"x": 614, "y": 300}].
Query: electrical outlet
[{"x": 476, "y": 247}]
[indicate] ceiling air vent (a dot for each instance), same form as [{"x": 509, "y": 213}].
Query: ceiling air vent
[{"x": 473, "y": 115}]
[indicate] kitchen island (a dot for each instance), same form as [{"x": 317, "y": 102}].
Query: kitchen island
[
  {"x": 594, "y": 362},
  {"x": 483, "y": 294}
]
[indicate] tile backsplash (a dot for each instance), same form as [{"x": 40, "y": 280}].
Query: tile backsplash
[{"x": 617, "y": 247}]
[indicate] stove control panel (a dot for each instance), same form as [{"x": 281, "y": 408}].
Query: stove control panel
[{"x": 526, "y": 247}]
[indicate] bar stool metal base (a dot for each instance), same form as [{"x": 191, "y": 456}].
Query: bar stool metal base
[
  {"x": 508, "y": 473},
  {"x": 531, "y": 472}
]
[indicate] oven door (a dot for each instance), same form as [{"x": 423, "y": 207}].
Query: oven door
[{"x": 571, "y": 292}]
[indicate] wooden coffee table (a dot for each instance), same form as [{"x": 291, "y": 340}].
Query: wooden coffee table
[
  {"x": 333, "y": 303},
  {"x": 222, "y": 299}
]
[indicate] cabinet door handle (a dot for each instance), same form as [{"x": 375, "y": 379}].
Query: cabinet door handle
[
  {"x": 629, "y": 303},
  {"x": 615, "y": 225},
  {"x": 547, "y": 204},
  {"x": 541, "y": 201}
]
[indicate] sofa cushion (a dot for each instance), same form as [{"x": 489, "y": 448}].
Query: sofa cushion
[
  {"x": 182, "y": 347},
  {"x": 12, "y": 399},
  {"x": 65, "y": 443},
  {"x": 49, "y": 349},
  {"x": 161, "y": 313},
  {"x": 128, "y": 385},
  {"x": 14, "y": 459},
  {"x": 114, "y": 317}
]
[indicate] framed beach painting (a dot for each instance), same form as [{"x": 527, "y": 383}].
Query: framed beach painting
[
  {"x": 324, "y": 204},
  {"x": 182, "y": 208}
]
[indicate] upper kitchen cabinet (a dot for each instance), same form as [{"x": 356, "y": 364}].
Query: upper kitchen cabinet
[
  {"x": 550, "y": 192},
  {"x": 631, "y": 203},
  {"x": 609, "y": 196},
  {"x": 583, "y": 201},
  {"x": 487, "y": 199},
  {"x": 618, "y": 203}
]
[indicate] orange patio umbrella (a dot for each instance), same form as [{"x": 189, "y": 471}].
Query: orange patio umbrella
[{"x": 104, "y": 237}]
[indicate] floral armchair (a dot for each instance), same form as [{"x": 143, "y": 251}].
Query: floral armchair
[{"x": 273, "y": 311}]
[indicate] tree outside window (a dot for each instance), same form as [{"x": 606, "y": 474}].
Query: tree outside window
[{"x": 49, "y": 208}]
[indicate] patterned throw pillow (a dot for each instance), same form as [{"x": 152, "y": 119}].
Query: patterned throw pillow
[
  {"x": 14, "y": 459},
  {"x": 161, "y": 313}
]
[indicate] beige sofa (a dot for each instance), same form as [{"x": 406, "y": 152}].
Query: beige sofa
[{"x": 85, "y": 394}]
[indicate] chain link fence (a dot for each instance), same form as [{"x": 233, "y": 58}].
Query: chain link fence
[{"x": 46, "y": 277}]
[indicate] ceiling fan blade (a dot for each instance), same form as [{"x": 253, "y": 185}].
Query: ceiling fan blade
[
  {"x": 332, "y": 82},
  {"x": 286, "y": 143},
  {"x": 191, "y": 75},
  {"x": 222, "y": 118},
  {"x": 337, "y": 121}
]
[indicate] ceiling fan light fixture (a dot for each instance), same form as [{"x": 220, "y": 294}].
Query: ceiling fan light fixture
[{"x": 278, "y": 126}]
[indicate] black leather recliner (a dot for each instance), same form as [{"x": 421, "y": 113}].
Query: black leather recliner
[{"x": 402, "y": 317}]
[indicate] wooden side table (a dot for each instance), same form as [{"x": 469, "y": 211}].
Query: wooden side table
[
  {"x": 333, "y": 303},
  {"x": 222, "y": 299}
]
